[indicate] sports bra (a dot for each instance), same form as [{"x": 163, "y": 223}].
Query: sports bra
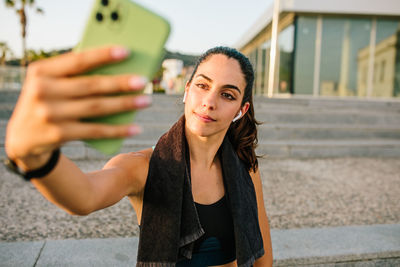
[
  {"x": 217, "y": 245},
  {"x": 216, "y": 220}
]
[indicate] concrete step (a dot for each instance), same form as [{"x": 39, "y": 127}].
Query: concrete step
[
  {"x": 275, "y": 110},
  {"x": 327, "y": 132},
  {"x": 282, "y": 117},
  {"x": 271, "y": 132},
  {"x": 297, "y": 127},
  {"x": 8, "y": 96},
  {"x": 373, "y": 245},
  {"x": 389, "y": 104},
  {"x": 77, "y": 150},
  {"x": 294, "y": 102},
  {"x": 285, "y": 117}
]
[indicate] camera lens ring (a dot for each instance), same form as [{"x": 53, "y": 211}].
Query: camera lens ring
[
  {"x": 114, "y": 15},
  {"x": 99, "y": 16}
]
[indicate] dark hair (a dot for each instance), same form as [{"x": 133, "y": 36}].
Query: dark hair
[{"x": 243, "y": 132}]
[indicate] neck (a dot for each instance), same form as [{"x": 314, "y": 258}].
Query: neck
[{"x": 203, "y": 150}]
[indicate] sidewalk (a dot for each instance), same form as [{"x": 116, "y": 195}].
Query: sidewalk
[
  {"x": 374, "y": 245},
  {"x": 322, "y": 212}
]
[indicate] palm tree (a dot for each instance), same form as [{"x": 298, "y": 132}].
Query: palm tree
[
  {"x": 19, "y": 7},
  {"x": 4, "y": 51}
]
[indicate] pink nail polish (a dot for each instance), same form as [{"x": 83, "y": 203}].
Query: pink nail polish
[
  {"x": 119, "y": 52},
  {"x": 137, "y": 82},
  {"x": 134, "y": 130},
  {"x": 142, "y": 101}
]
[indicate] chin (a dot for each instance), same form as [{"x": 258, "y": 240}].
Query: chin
[
  {"x": 200, "y": 130},
  {"x": 205, "y": 130}
]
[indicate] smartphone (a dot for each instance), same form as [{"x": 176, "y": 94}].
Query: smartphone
[{"x": 123, "y": 22}]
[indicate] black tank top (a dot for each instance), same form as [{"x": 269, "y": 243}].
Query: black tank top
[{"x": 216, "y": 220}]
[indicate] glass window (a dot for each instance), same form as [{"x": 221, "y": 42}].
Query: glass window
[
  {"x": 266, "y": 49},
  {"x": 386, "y": 81},
  {"x": 258, "y": 71},
  {"x": 253, "y": 60},
  {"x": 304, "y": 56},
  {"x": 286, "y": 40},
  {"x": 344, "y": 64}
]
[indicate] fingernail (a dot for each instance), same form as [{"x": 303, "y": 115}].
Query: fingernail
[
  {"x": 119, "y": 52},
  {"x": 142, "y": 101},
  {"x": 137, "y": 82},
  {"x": 134, "y": 130}
]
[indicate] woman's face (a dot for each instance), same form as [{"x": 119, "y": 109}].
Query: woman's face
[{"x": 214, "y": 96}]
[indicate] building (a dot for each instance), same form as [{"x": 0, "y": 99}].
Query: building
[
  {"x": 172, "y": 78},
  {"x": 328, "y": 48}
]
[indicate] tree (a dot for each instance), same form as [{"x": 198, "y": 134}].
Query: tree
[
  {"x": 19, "y": 7},
  {"x": 4, "y": 52}
]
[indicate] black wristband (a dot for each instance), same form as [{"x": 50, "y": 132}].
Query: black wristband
[{"x": 38, "y": 173}]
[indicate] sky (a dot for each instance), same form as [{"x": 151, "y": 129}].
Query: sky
[{"x": 195, "y": 25}]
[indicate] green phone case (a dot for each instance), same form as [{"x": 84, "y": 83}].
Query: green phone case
[{"x": 123, "y": 22}]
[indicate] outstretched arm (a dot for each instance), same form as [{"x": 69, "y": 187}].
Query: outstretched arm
[{"x": 49, "y": 112}]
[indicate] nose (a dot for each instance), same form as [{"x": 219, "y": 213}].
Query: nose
[{"x": 209, "y": 100}]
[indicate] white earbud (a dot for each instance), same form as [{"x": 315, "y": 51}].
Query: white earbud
[
  {"x": 184, "y": 97},
  {"x": 237, "y": 117}
]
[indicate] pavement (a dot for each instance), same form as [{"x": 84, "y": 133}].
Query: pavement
[
  {"x": 375, "y": 245},
  {"x": 321, "y": 212}
]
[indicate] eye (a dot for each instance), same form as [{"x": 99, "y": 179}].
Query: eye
[
  {"x": 228, "y": 96},
  {"x": 202, "y": 85}
]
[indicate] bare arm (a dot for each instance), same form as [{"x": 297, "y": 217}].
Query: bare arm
[
  {"x": 82, "y": 193},
  {"x": 49, "y": 112},
  {"x": 267, "y": 259}
]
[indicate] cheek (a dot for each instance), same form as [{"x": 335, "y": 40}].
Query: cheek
[
  {"x": 193, "y": 101},
  {"x": 229, "y": 115}
]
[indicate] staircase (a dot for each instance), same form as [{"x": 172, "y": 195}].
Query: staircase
[{"x": 298, "y": 127}]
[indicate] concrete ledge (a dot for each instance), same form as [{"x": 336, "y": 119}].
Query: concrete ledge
[
  {"x": 20, "y": 253},
  {"x": 90, "y": 252},
  {"x": 273, "y": 149},
  {"x": 373, "y": 245},
  {"x": 333, "y": 245}
]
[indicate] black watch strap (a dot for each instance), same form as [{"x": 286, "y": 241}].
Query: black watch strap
[{"x": 38, "y": 173}]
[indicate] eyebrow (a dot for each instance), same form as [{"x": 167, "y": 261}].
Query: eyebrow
[{"x": 224, "y": 86}]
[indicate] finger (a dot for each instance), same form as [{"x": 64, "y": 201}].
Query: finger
[
  {"x": 96, "y": 107},
  {"x": 92, "y": 85},
  {"x": 74, "y": 63},
  {"x": 79, "y": 130}
]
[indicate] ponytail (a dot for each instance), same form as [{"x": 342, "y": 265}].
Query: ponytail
[{"x": 243, "y": 136}]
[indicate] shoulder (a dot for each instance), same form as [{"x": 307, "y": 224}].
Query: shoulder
[
  {"x": 256, "y": 179},
  {"x": 133, "y": 166},
  {"x": 131, "y": 158},
  {"x": 258, "y": 187}
]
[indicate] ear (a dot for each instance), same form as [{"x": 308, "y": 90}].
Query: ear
[
  {"x": 245, "y": 108},
  {"x": 187, "y": 85}
]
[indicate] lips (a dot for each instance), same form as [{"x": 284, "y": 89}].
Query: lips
[{"x": 204, "y": 118}]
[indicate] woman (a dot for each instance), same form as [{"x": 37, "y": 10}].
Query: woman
[{"x": 204, "y": 168}]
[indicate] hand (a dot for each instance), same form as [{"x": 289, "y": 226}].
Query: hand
[{"x": 53, "y": 101}]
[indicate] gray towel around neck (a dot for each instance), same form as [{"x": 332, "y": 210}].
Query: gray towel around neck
[{"x": 170, "y": 224}]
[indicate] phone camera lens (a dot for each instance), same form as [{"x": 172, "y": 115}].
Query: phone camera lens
[
  {"x": 114, "y": 15},
  {"x": 99, "y": 16},
  {"x": 104, "y": 2}
]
